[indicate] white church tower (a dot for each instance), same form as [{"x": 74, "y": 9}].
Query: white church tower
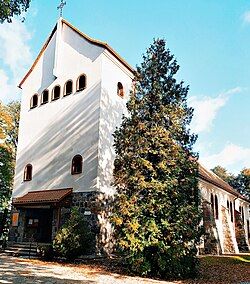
[{"x": 73, "y": 97}]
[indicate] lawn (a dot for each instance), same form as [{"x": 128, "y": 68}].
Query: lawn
[{"x": 224, "y": 269}]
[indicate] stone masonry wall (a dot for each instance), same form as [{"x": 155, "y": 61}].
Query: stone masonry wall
[{"x": 211, "y": 241}]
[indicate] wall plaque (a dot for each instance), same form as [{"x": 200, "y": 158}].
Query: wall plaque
[{"x": 15, "y": 217}]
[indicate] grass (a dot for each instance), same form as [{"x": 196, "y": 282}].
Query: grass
[
  {"x": 223, "y": 269},
  {"x": 225, "y": 259}
]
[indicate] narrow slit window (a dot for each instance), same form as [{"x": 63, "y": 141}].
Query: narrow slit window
[
  {"x": 120, "y": 90},
  {"x": 81, "y": 83},
  {"x": 216, "y": 211},
  {"x": 76, "y": 167},
  {"x": 56, "y": 92},
  {"x": 242, "y": 214},
  {"x": 248, "y": 229},
  {"x": 45, "y": 97},
  {"x": 27, "y": 176},
  {"x": 231, "y": 211},
  {"x": 212, "y": 203},
  {"x": 34, "y": 101},
  {"x": 68, "y": 88}
]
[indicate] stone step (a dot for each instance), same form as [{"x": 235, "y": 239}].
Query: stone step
[
  {"x": 21, "y": 249},
  {"x": 20, "y": 252},
  {"x": 22, "y": 245}
]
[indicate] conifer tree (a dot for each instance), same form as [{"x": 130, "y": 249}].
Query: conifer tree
[{"x": 156, "y": 208}]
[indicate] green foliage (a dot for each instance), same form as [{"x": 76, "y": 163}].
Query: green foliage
[
  {"x": 222, "y": 173},
  {"x": 6, "y": 176},
  {"x": 74, "y": 238},
  {"x": 11, "y": 8},
  {"x": 45, "y": 252},
  {"x": 240, "y": 182},
  {"x": 9, "y": 123},
  {"x": 13, "y": 109},
  {"x": 156, "y": 209}
]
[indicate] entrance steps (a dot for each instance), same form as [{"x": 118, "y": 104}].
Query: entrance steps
[{"x": 22, "y": 249}]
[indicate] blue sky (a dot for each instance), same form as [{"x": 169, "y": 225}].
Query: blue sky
[{"x": 210, "y": 40}]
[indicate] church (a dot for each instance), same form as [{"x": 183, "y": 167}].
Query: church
[{"x": 73, "y": 98}]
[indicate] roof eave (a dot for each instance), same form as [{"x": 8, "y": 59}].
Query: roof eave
[{"x": 89, "y": 39}]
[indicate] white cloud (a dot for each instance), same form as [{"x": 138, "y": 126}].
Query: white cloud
[
  {"x": 6, "y": 89},
  {"x": 232, "y": 157},
  {"x": 15, "y": 57},
  {"x": 246, "y": 17},
  {"x": 206, "y": 109}
]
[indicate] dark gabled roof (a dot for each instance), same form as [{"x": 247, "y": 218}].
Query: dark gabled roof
[
  {"x": 89, "y": 39},
  {"x": 212, "y": 178},
  {"x": 42, "y": 197}
]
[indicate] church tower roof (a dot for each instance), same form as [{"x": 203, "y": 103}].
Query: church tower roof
[{"x": 102, "y": 44}]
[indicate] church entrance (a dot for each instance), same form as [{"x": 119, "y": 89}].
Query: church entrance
[{"x": 38, "y": 225}]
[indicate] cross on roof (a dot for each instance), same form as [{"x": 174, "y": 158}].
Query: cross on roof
[{"x": 60, "y": 7}]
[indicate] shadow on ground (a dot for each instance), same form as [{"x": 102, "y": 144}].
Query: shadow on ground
[{"x": 17, "y": 271}]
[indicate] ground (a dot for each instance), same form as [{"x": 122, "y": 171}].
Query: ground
[{"x": 212, "y": 270}]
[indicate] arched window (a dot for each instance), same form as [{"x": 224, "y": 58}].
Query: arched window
[
  {"x": 81, "y": 83},
  {"x": 27, "y": 175},
  {"x": 56, "y": 93},
  {"x": 216, "y": 211},
  {"x": 120, "y": 90},
  {"x": 76, "y": 167},
  {"x": 34, "y": 101},
  {"x": 228, "y": 205},
  {"x": 45, "y": 97},
  {"x": 68, "y": 88}
]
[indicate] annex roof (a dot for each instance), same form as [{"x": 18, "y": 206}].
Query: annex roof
[
  {"x": 42, "y": 196},
  {"x": 212, "y": 178},
  {"x": 89, "y": 39}
]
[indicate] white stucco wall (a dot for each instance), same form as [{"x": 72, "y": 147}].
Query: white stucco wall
[
  {"x": 51, "y": 134},
  {"x": 112, "y": 108},
  {"x": 224, "y": 196}
]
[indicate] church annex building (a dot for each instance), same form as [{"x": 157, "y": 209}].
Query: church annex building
[{"x": 73, "y": 97}]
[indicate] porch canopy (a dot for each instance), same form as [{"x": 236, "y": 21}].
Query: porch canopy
[{"x": 47, "y": 197}]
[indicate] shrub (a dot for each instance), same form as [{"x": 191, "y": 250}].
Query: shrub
[
  {"x": 45, "y": 252},
  {"x": 74, "y": 238}
]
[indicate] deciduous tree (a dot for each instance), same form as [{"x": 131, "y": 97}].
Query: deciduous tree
[
  {"x": 9, "y": 123},
  {"x": 11, "y": 8},
  {"x": 240, "y": 182}
]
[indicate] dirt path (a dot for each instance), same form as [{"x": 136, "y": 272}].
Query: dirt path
[
  {"x": 213, "y": 270},
  {"x": 20, "y": 271}
]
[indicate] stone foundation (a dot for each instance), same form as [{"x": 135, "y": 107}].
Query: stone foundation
[
  {"x": 211, "y": 239},
  {"x": 16, "y": 234},
  {"x": 92, "y": 205}
]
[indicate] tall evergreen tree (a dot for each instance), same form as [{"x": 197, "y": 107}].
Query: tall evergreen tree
[{"x": 156, "y": 208}]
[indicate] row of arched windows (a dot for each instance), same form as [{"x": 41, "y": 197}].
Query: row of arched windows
[
  {"x": 76, "y": 168},
  {"x": 215, "y": 206},
  {"x": 56, "y": 92},
  {"x": 68, "y": 90}
]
